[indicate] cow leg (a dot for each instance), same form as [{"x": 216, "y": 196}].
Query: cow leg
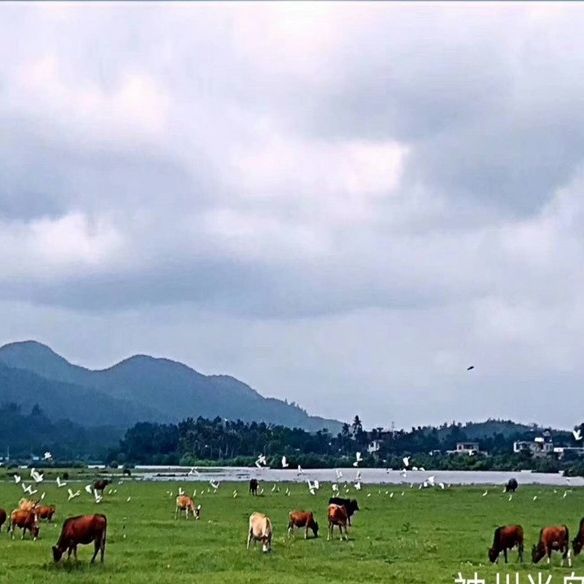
[
  {"x": 330, "y": 530},
  {"x": 505, "y": 554},
  {"x": 249, "y": 535},
  {"x": 521, "y": 552},
  {"x": 96, "y": 548},
  {"x": 306, "y": 532},
  {"x": 75, "y": 552}
]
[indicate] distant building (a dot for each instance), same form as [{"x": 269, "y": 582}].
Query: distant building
[
  {"x": 540, "y": 446},
  {"x": 469, "y": 448},
  {"x": 562, "y": 450}
]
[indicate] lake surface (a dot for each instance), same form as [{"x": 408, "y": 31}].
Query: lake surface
[{"x": 367, "y": 476}]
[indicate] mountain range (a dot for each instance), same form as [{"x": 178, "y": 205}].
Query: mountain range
[{"x": 140, "y": 388}]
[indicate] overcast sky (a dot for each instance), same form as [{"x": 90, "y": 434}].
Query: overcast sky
[{"x": 341, "y": 204}]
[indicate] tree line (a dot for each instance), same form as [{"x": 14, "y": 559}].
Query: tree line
[{"x": 203, "y": 441}]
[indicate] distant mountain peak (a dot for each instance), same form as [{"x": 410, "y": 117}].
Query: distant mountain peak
[{"x": 169, "y": 390}]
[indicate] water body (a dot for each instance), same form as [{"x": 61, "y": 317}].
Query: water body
[{"x": 373, "y": 476}]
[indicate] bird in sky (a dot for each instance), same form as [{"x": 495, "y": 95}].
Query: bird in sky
[
  {"x": 284, "y": 462},
  {"x": 470, "y": 368},
  {"x": 577, "y": 434},
  {"x": 60, "y": 483}
]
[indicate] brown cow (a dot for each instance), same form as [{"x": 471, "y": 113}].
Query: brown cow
[
  {"x": 25, "y": 520},
  {"x": 302, "y": 519},
  {"x": 260, "y": 529},
  {"x": 45, "y": 512},
  {"x": 2, "y": 518},
  {"x": 506, "y": 538},
  {"x": 578, "y": 542},
  {"x": 337, "y": 515},
  {"x": 83, "y": 529},
  {"x": 100, "y": 485},
  {"x": 551, "y": 539},
  {"x": 186, "y": 504}
]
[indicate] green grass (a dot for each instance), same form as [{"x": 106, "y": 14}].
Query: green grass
[{"x": 420, "y": 537}]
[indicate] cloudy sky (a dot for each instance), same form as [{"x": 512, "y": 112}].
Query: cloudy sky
[{"x": 341, "y": 204}]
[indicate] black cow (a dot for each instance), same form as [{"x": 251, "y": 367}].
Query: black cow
[
  {"x": 350, "y": 505},
  {"x": 511, "y": 486},
  {"x": 253, "y": 486}
]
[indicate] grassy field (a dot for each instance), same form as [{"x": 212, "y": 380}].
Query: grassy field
[{"x": 418, "y": 537}]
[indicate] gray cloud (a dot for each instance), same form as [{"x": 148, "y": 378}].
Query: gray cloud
[{"x": 325, "y": 200}]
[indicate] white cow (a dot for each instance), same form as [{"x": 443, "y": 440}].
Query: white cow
[{"x": 260, "y": 529}]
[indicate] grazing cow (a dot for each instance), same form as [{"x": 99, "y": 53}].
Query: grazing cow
[
  {"x": 45, "y": 512},
  {"x": 337, "y": 515},
  {"x": 350, "y": 505},
  {"x": 27, "y": 504},
  {"x": 2, "y": 518},
  {"x": 100, "y": 485},
  {"x": 506, "y": 538},
  {"x": 551, "y": 539},
  {"x": 253, "y": 486},
  {"x": 25, "y": 520},
  {"x": 83, "y": 529},
  {"x": 578, "y": 542},
  {"x": 186, "y": 504},
  {"x": 302, "y": 519},
  {"x": 511, "y": 486},
  {"x": 260, "y": 529}
]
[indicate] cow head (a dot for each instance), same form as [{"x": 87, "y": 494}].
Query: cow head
[
  {"x": 578, "y": 543},
  {"x": 353, "y": 506},
  {"x": 266, "y": 544},
  {"x": 493, "y": 555},
  {"x": 57, "y": 554},
  {"x": 537, "y": 552},
  {"x": 315, "y": 528}
]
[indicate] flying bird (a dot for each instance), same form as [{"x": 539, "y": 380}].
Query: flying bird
[
  {"x": 335, "y": 488},
  {"x": 215, "y": 485},
  {"x": 339, "y": 474},
  {"x": 358, "y": 486},
  {"x": 284, "y": 462},
  {"x": 36, "y": 476},
  {"x": 48, "y": 456},
  {"x": 358, "y": 459},
  {"x": 313, "y": 486},
  {"x": 577, "y": 434},
  {"x": 300, "y": 471},
  {"x": 235, "y": 494},
  {"x": 17, "y": 479},
  {"x": 72, "y": 494},
  {"x": 60, "y": 483},
  {"x": 470, "y": 368},
  {"x": 194, "y": 471},
  {"x": 89, "y": 489},
  {"x": 406, "y": 460}
]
